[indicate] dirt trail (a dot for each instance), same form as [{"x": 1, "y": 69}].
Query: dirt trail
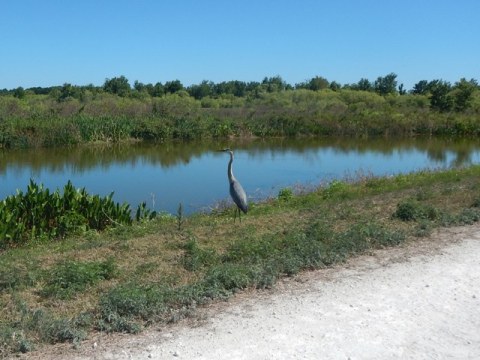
[{"x": 418, "y": 301}]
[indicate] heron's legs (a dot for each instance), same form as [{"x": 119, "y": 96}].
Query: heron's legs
[{"x": 239, "y": 215}]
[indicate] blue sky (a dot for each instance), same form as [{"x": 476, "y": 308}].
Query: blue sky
[{"x": 52, "y": 42}]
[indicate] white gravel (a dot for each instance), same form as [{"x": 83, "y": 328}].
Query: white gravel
[{"x": 419, "y": 301}]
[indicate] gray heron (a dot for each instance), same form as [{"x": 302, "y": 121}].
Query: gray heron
[{"x": 237, "y": 193}]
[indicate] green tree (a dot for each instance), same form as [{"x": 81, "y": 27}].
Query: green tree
[
  {"x": 139, "y": 86},
  {"x": 69, "y": 91},
  {"x": 385, "y": 85},
  {"x": 235, "y": 87},
  {"x": 363, "y": 84},
  {"x": 463, "y": 93},
  {"x": 118, "y": 86},
  {"x": 173, "y": 86},
  {"x": 254, "y": 88},
  {"x": 318, "y": 83},
  {"x": 421, "y": 88},
  {"x": 315, "y": 84},
  {"x": 157, "y": 90},
  {"x": 41, "y": 90},
  {"x": 19, "y": 92},
  {"x": 275, "y": 84},
  {"x": 204, "y": 89},
  {"x": 440, "y": 98},
  {"x": 335, "y": 86}
]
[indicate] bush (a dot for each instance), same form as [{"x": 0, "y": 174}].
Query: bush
[
  {"x": 411, "y": 210},
  {"x": 336, "y": 189},
  {"x": 476, "y": 202},
  {"x": 285, "y": 194},
  {"x": 406, "y": 211}
]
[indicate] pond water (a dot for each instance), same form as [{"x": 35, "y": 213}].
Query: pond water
[{"x": 166, "y": 174}]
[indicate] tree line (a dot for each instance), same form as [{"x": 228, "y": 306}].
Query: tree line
[
  {"x": 443, "y": 95},
  {"x": 69, "y": 115}
]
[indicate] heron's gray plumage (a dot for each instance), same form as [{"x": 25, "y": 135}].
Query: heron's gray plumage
[
  {"x": 239, "y": 196},
  {"x": 237, "y": 193}
]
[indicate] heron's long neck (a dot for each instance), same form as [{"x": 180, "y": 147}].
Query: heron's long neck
[{"x": 230, "y": 173}]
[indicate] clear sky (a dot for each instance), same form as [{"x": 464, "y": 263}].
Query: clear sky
[{"x": 52, "y": 42}]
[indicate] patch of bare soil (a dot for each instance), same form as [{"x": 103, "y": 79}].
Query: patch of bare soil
[{"x": 418, "y": 301}]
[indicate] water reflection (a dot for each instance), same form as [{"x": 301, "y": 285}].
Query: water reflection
[{"x": 165, "y": 174}]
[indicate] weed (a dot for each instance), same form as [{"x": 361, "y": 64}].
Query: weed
[
  {"x": 16, "y": 276},
  {"x": 145, "y": 268},
  {"x": 195, "y": 258},
  {"x": 423, "y": 229},
  {"x": 143, "y": 213},
  {"x": 251, "y": 249},
  {"x": 285, "y": 194},
  {"x": 423, "y": 194},
  {"x": 476, "y": 202},
  {"x": 180, "y": 217},
  {"x": 357, "y": 239},
  {"x": 408, "y": 210},
  {"x": 229, "y": 277},
  {"x": 468, "y": 216},
  {"x": 121, "y": 305},
  {"x": 70, "y": 277},
  {"x": 39, "y": 324},
  {"x": 337, "y": 189}
]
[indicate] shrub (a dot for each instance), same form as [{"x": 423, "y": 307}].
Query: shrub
[
  {"x": 285, "y": 194},
  {"x": 335, "y": 189},
  {"x": 411, "y": 210},
  {"x": 476, "y": 202}
]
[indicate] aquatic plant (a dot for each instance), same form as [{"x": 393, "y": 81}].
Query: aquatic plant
[{"x": 39, "y": 213}]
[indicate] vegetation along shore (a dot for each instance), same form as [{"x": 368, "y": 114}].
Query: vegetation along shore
[{"x": 117, "y": 111}]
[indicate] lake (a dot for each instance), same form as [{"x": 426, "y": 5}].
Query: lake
[{"x": 193, "y": 173}]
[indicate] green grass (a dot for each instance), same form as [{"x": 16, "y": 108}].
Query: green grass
[{"x": 157, "y": 271}]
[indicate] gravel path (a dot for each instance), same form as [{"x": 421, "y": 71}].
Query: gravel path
[{"x": 419, "y": 301}]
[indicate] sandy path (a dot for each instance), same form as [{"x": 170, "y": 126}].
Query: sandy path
[{"x": 418, "y": 301}]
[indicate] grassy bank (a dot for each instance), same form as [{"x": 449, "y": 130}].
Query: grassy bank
[
  {"x": 41, "y": 121},
  {"x": 158, "y": 271}
]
